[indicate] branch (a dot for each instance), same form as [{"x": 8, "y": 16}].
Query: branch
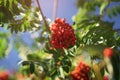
[
  {"x": 55, "y": 9},
  {"x": 97, "y": 68},
  {"x": 101, "y": 64},
  {"x": 46, "y": 24}
]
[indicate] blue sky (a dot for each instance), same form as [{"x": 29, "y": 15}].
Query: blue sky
[{"x": 66, "y": 9}]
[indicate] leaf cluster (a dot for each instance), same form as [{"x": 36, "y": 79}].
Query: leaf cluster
[{"x": 20, "y": 15}]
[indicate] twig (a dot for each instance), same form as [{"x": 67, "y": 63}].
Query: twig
[
  {"x": 97, "y": 71},
  {"x": 101, "y": 64},
  {"x": 97, "y": 68},
  {"x": 46, "y": 24},
  {"x": 55, "y": 9},
  {"x": 105, "y": 9},
  {"x": 40, "y": 75}
]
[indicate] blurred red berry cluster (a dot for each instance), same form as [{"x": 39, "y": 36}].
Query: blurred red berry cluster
[
  {"x": 62, "y": 34},
  {"x": 4, "y": 75},
  {"x": 108, "y": 52},
  {"x": 81, "y": 72},
  {"x": 105, "y": 78}
]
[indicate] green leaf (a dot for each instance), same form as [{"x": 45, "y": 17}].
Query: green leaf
[
  {"x": 6, "y": 14},
  {"x": 102, "y": 71},
  {"x": 32, "y": 67},
  {"x": 25, "y": 63},
  {"x": 94, "y": 50},
  {"x": 25, "y": 3},
  {"x": 25, "y": 70},
  {"x": 61, "y": 72},
  {"x": 5, "y": 2},
  {"x": 15, "y": 9},
  {"x": 3, "y": 45},
  {"x": 1, "y": 1},
  {"x": 118, "y": 41},
  {"x": 53, "y": 72},
  {"x": 104, "y": 4},
  {"x": 66, "y": 52},
  {"x": 66, "y": 68},
  {"x": 10, "y": 4}
]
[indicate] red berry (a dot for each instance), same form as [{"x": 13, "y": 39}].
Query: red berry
[
  {"x": 62, "y": 34},
  {"x": 108, "y": 52},
  {"x": 80, "y": 72},
  {"x": 105, "y": 78},
  {"x": 4, "y": 75}
]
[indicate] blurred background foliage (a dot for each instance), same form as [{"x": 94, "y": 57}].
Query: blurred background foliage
[
  {"x": 92, "y": 31},
  {"x": 3, "y": 44},
  {"x": 91, "y": 28},
  {"x": 19, "y": 13}
]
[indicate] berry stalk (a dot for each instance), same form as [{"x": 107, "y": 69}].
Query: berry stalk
[{"x": 46, "y": 24}]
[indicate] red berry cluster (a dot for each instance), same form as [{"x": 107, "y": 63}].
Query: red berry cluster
[
  {"x": 105, "y": 78},
  {"x": 108, "y": 52},
  {"x": 62, "y": 34},
  {"x": 80, "y": 72},
  {"x": 4, "y": 75}
]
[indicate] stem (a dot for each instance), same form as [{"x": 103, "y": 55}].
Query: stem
[
  {"x": 39, "y": 74},
  {"x": 97, "y": 72},
  {"x": 101, "y": 64},
  {"x": 55, "y": 9},
  {"x": 46, "y": 24},
  {"x": 105, "y": 9},
  {"x": 97, "y": 68}
]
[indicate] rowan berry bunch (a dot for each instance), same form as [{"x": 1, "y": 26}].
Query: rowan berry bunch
[
  {"x": 81, "y": 72},
  {"x": 62, "y": 34},
  {"x": 4, "y": 75}
]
